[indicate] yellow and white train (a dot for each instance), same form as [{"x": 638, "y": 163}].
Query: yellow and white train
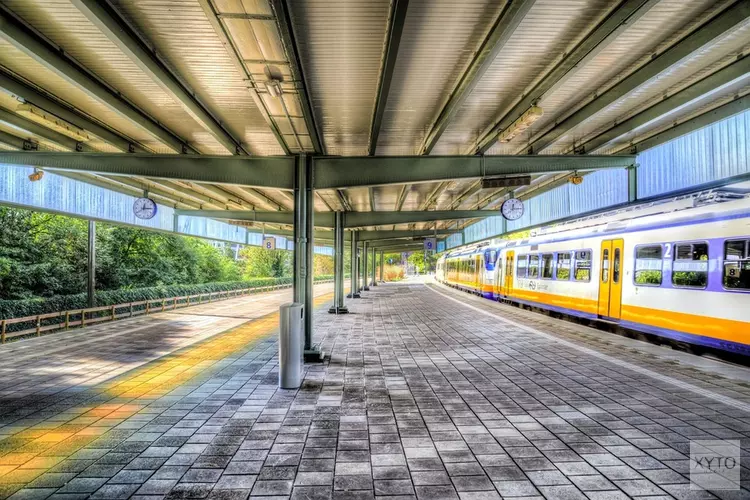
[{"x": 677, "y": 268}]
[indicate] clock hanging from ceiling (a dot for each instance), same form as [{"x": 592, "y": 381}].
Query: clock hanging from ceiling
[
  {"x": 512, "y": 209},
  {"x": 144, "y": 208}
]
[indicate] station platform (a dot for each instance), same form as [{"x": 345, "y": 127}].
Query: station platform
[{"x": 427, "y": 392}]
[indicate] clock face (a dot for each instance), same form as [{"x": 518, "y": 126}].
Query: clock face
[
  {"x": 144, "y": 208},
  {"x": 512, "y": 209}
]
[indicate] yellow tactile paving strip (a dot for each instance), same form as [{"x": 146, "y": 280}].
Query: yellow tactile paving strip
[{"x": 33, "y": 451}]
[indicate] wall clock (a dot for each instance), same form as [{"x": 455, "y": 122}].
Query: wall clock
[
  {"x": 144, "y": 208},
  {"x": 512, "y": 209}
]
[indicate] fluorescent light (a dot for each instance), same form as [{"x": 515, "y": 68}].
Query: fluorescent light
[
  {"x": 522, "y": 123},
  {"x": 53, "y": 122},
  {"x": 36, "y": 175},
  {"x": 273, "y": 87}
]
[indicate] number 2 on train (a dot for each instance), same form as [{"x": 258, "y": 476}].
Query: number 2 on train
[{"x": 610, "y": 279}]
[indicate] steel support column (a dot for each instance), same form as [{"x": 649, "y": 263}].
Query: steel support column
[
  {"x": 374, "y": 281},
  {"x": 338, "y": 306},
  {"x": 302, "y": 245},
  {"x": 633, "y": 183},
  {"x": 365, "y": 285},
  {"x": 91, "y": 281},
  {"x": 300, "y": 232},
  {"x": 310, "y": 352},
  {"x": 354, "y": 292},
  {"x": 381, "y": 268}
]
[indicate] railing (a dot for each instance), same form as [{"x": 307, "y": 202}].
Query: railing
[{"x": 92, "y": 315}]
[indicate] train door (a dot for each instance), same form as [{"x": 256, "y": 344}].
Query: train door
[
  {"x": 509, "y": 263},
  {"x": 478, "y": 274},
  {"x": 610, "y": 279}
]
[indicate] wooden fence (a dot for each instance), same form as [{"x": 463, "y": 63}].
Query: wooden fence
[{"x": 92, "y": 315}]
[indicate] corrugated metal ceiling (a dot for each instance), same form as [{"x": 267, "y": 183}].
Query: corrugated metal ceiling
[
  {"x": 341, "y": 46},
  {"x": 437, "y": 45},
  {"x": 223, "y": 50}
]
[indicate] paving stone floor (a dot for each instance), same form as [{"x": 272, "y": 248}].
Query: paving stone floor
[{"x": 421, "y": 397}]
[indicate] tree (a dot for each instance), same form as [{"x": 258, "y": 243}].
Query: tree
[
  {"x": 420, "y": 263},
  {"x": 262, "y": 263},
  {"x": 40, "y": 254},
  {"x": 323, "y": 265}
]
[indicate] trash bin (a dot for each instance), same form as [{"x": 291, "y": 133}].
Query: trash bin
[{"x": 291, "y": 345}]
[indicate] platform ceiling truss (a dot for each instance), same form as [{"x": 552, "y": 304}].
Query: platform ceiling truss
[{"x": 200, "y": 103}]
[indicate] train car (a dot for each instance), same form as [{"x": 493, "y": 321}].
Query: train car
[
  {"x": 678, "y": 269},
  {"x": 471, "y": 268}
]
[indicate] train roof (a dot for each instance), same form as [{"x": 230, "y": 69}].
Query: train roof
[{"x": 700, "y": 204}]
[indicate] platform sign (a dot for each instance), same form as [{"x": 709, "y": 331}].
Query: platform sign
[
  {"x": 269, "y": 243},
  {"x": 430, "y": 244}
]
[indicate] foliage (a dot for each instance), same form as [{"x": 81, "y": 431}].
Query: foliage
[
  {"x": 41, "y": 254},
  {"x": 393, "y": 273},
  {"x": 259, "y": 262},
  {"x": 420, "y": 263},
  {"x": 44, "y": 255},
  {"x": 323, "y": 264},
  {"x": 31, "y": 307},
  {"x": 648, "y": 277}
]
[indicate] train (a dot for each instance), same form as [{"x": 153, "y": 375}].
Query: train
[{"x": 677, "y": 269}]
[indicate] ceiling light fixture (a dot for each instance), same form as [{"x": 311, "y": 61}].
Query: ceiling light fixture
[
  {"x": 53, "y": 122},
  {"x": 273, "y": 87},
  {"x": 36, "y": 175},
  {"x": 522, "y": 123},
  {"x": 274, "y": 77}
]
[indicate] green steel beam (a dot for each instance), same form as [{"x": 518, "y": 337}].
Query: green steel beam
[
  {"x": 331, "y": 173},
  {"x": 392, "y": 242},
  {"x": 256, "y": 171},
  {"x": 693, "y": 42},
  {"x": 393, "y": 40},
  {"x": 351, "y": 219},
  {"x": 737, "y": 70},
  {"x": 505, "y": 25},
  {"x": 118, "y": 31},
  {"x": 32, "y": 127},
  {"x": 679, "y": 129},
  {"x": 24, "y": 38},
  {"x": 347, "y": 172},
  {"x": 374, "y": 236},
  {"x": 383, "y": 235},
  {"x": 320, "y": 235},
  {"x": 620, "y": 17},
  {"x": 12, "y": 141},
  {"x": 400, "y": 248},
  {"x": 364, "y": 219},
  {"x": 33, "y": 96}
]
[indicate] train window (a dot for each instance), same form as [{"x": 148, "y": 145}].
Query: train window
[
  {"x": 563, "y": 266},
  {"x": 735, "y": 250},
  {"x": 605, "y": 265},
  {"x": 521, "y": 272},
  {"x": 533, "y": 266},
  {"x": 583, "y": 266},
  {"x": 737, "y": 265},
  {"x": 548, "y": 265},
  {"x": 616, "y": 266},
  {"x": 648, "y": 265},
  {"x": 690, "y": 266}
]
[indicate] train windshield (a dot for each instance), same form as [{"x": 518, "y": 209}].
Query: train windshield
[{"x": 490, "y": 256}]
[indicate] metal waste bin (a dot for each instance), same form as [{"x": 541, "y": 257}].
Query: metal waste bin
[{"x": 291, "y": 345}]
